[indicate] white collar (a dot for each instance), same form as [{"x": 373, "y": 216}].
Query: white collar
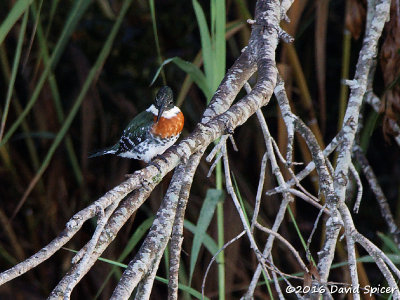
[{"x": 168, "y": 114}]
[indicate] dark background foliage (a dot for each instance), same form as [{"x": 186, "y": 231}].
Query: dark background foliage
[{"x": 121, "y": 91}]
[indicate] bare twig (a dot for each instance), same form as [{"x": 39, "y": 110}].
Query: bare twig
[
  {"x": 287, "y": 244},
  {"x": 203, "y": 284},
  {"x": 359, "y": 188},
  {"x": 177, "y": 229},
  {"x": 259, "y": 191},
  {"x": 380, "y": 196}
]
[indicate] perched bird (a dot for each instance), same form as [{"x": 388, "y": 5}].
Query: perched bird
[{"x": 151, "y": 132}]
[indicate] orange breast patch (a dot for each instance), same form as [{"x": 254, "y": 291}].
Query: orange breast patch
[{"x": 166, "y": 128}]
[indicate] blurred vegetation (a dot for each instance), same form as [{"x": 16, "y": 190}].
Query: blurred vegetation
[{"x": 65, "y": 92}]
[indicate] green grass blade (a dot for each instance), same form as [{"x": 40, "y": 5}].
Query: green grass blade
[
  {"x": 389, "y": 243},
  {"x": 44, "y": 54},
  {"x": 185, "y": 288},
  {"x": 244, "y": 11},
  {"x": 74, "y": 16},
  {"x": 242, "y": 205},
  {"x": 16, "y": 12},
  {"x": 213, "y": 10},
  {"x": 136, "y": 237},
  {"x": 205, "y": 43},
  {"x": 196, "y": 74},
  {"x": 213, "y": 196},
  {"x": 182, "y": 287},
  {"x": 208, "y": 241},
  {"x": 53, "y": 9},
  {"x": 153, "y": 18},
  {"x": 7, "y": 257},
  {"x": 106, "y": 9},
  {"x": 6, "y": 70},
  {"x": 231, "y": 29},
  {"x": 93, "y": 74},
  {"x": 220, "y": 42},
  {"x": 365, "y": 259},
  {"x": 14, "y": 71},
  {"x": 166, "y": 261},
  {"x": 183, "y": 278},
  {"x": 133, "y": 241},
  {"x": 34, "y": 30},
  {"x": 191, "y": 69},
  {"x": 368, "y": 130},
  {"x": 303, "y": 242}
]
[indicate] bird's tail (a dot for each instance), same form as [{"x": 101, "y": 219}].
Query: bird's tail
[{"x": 109, "y": 150}]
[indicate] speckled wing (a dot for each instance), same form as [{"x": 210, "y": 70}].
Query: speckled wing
[{"x": 136, "y": 132}]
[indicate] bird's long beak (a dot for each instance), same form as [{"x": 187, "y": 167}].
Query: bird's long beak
[{"x": 160, "y": 112}]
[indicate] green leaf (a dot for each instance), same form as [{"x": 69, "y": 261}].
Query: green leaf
[
  {"x": 208, "y": 55},
  {"x": 133, "y": 241},
  {"x": 76, "y": 13},
  {"x": 38, "y": 135},
  {"x": 17, "y": 58},
  {"x": 44, "y": 55},
  {"x": 92, "y": 76},
  {"x": 136, "y": 237},
  {"x": 185, "y": 288},
  {"x": 18, "y": 9},
  {"x": 388, "y": 241},
  {"x": 368, "y": 130},
  {"x": 365, "y": 259},
  {"x": 213, "y": 10},
  {"x": 195, "y": 73},
  {"x": 182, "y": 287},
  {"x": 153, "y": 18},
  {"x": 243, "y": 10},
  {"x": 206, "y": 213},
  {"x": 208, "y": 241},
  {"x": 242, "y": 205},
  {"x": 220, "y": 43}
]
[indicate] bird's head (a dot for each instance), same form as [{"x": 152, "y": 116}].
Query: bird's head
[{"x": 164, "y": 100}]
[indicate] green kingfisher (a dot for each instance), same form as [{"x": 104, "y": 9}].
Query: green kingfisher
[{"x": 151, "y": 132}]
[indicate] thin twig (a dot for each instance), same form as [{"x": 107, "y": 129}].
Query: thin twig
[
  {"x": 359, "y": 188},
  {"x": 259, "y": 191},
  {"x": 203, "y": 284},
  {"x": 380, "y": 196},
  {"x": 283, "y": 240}
]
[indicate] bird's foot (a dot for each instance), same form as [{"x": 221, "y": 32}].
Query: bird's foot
[
  {"x": 145, "y": 184},
  {"x": 128, "y": 176},
  {"x": 154, "y": 164},
  {"x": 204, "y": 126},
  {"x": 160, "y": 156},
  {"x": 136, "y": 173},
  {"x": 143, "y": 181},
  {"x": 229, "y": 129}
]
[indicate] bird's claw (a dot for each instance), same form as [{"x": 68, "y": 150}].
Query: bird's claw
[
  {"x": 185, "y": 158},
  {"x": 154, "y": 164},
  {"x": 136, "y": 173},
  {"x": 229, "y": 129},
  {"x": 160, "y": 156},
  {"x": 204, "y": 126},
  {"x": 145, "y": 184}
]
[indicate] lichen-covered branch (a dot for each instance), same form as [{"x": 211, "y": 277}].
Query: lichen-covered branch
[{"x": 380, "y": 196}]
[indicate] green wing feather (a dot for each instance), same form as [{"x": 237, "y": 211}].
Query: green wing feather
[
  {"x": 139, "y": 128},
  {"x": 136, "y": 131}
]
